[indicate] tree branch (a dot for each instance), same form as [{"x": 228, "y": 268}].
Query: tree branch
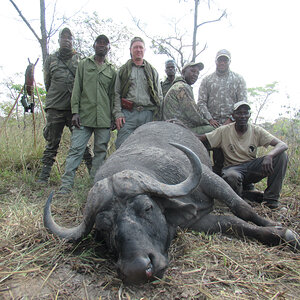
[
  {"x": 213, "y": 21},
  {"x": 25, "y": 21}
]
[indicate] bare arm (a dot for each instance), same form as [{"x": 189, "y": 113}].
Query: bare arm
[{"x": 279, "y": 147}]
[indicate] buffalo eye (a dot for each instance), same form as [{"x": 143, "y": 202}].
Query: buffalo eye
[{"x": 148, "y": 208}]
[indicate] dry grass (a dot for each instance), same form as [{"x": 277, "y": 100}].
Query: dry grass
[{"x": 36, "y": 265}]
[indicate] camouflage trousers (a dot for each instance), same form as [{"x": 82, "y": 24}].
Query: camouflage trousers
[
  {"x": 56, "y": 121},
  {"x": 79, "y": 140}
]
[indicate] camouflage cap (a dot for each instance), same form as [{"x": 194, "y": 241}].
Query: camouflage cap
[
  {"x": 65, "y": 30},
  {"x": 136, "y": 39},
  {"x": 102, "y": 37},
  {"x": 239, "y": 104},
  {"x": 192, "y": 64},
  {"x": 223, "y": 52}
]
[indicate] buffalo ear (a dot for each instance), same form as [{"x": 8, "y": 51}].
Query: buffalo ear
[{"x": 176, "y": 211}]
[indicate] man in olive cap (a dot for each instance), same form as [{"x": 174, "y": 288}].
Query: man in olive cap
[
  {"x": 92, "y": 101},
  {"x": 218, "y": 93},
  {"x": 138, "y": 93},
  {"x": 179, "y": 102},
  {"x": 59, "y": 74}
]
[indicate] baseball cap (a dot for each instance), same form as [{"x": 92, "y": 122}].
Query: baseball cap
[
  {"x": 239, "y": 104},
  {"x": 102, "y": 37},
  {"x": 192, "y": 64},
  {"x": 223, "y": 52},
  {"x": 65, "y": 30}
]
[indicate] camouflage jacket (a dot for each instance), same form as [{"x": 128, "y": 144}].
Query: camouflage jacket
[
  {"x": 218, "y": 93},
  {"x": 59, "y": 79},
  {"x": 165, "y": 86},
  {"x": 179, "y": 104}
]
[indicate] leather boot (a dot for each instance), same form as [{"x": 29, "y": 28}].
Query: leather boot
[{"x": 45, "y": 174}]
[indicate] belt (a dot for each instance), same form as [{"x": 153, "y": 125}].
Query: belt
[{"x": 139, "y": 108}]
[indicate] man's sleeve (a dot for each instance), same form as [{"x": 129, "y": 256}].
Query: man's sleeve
[
  {"x": 189, "y": 109},
  {"x": 117, "y": 110},
  {"x": 203, "y": 100},
  {"x": 265, "y": 137},
  {"x": 111, "y": 92},
  {"x": 242, "y": 90},
  {"x": 215, "y": 137},
  {"x": 47, "y": 74},
  {"x": 77, "y": 88}
]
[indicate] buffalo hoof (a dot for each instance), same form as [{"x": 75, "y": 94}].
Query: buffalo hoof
[{"x": 292, "y": 239}]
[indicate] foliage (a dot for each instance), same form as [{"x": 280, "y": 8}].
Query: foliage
[
  {"x": 15, "y": 91},
  {"x": 260, "y": 98},
  {"x": 288, "y": 130},
  {"x": 87, "y": 26}
]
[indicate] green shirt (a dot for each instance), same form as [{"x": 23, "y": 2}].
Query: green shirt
[
  {"x": 59, "y": 79},
  {"x": 93, "y": 93},
  {"x": 138, "y": 91},
  {"x": 165, "y": 86}
]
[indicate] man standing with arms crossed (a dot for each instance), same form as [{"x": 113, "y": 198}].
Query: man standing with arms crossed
[
  {"x": 138, "y": 95},
  {"x": 91, "y": 102}
]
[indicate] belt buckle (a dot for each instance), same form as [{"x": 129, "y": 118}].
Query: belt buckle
[{"x": 139, "y": 108}]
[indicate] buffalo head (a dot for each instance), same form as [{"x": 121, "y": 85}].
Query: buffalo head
[{"x": 137, "y": 215}]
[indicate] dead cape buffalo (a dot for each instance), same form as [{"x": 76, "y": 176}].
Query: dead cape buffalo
[{"x": 147, "y": 188}]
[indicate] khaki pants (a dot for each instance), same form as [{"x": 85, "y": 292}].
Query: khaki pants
[{"x": 79, "y": 140}]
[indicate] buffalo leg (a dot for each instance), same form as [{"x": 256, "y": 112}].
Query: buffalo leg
[
  {"x": 215, "y": 187},
  {"x": 235, "y": 226}
]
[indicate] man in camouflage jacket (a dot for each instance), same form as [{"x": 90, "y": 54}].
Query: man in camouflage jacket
[
  {"x": 218, "y": 93},
  {"x": 179, "y": 102},
  {"x": 59, "y": 73},
  {"x": 220, "y": 90}
]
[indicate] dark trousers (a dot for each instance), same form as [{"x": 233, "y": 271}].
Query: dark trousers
[
  {"x": 56, "y": 121},
  {"x": 251, "y": 172}
]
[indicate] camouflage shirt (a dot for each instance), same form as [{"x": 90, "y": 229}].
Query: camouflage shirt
[
  {"x": 219, "y": 92},
  {"x": 165, "y": 86},
  {"x": 179, "y": 104},
  {"x": 59, "y": 79}
]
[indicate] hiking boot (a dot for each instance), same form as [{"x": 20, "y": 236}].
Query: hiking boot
[
  {"x": 249, "y": 187},
  {"x": 253, "y": 195},
  {"x": 271, "y": 203},
  {"x": 44, "y": 175}
]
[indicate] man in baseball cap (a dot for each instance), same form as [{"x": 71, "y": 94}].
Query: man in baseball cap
[
  {"x": 179, "y": 102},
  {"x": 218, "y": 93},
  {"x": 239, "y": 142}
]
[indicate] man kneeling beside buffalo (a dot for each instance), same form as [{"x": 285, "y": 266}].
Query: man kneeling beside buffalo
[{"x": 239, "y": 142}]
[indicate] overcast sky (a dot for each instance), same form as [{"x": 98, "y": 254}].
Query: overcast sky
[{"x": 262, "y": 36}]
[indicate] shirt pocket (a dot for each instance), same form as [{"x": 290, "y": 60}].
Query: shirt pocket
[{"x": 105, "y": 79}]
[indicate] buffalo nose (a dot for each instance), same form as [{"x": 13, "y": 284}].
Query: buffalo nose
[{"x": 139, "y": 270}]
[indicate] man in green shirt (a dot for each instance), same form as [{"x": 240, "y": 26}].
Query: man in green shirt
[
  {"x": 59, "y": 73},
  {"x": 91, "y": 103},
  {"x": 239, "y": 142},
  {"x": 138, "y": 93}
]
